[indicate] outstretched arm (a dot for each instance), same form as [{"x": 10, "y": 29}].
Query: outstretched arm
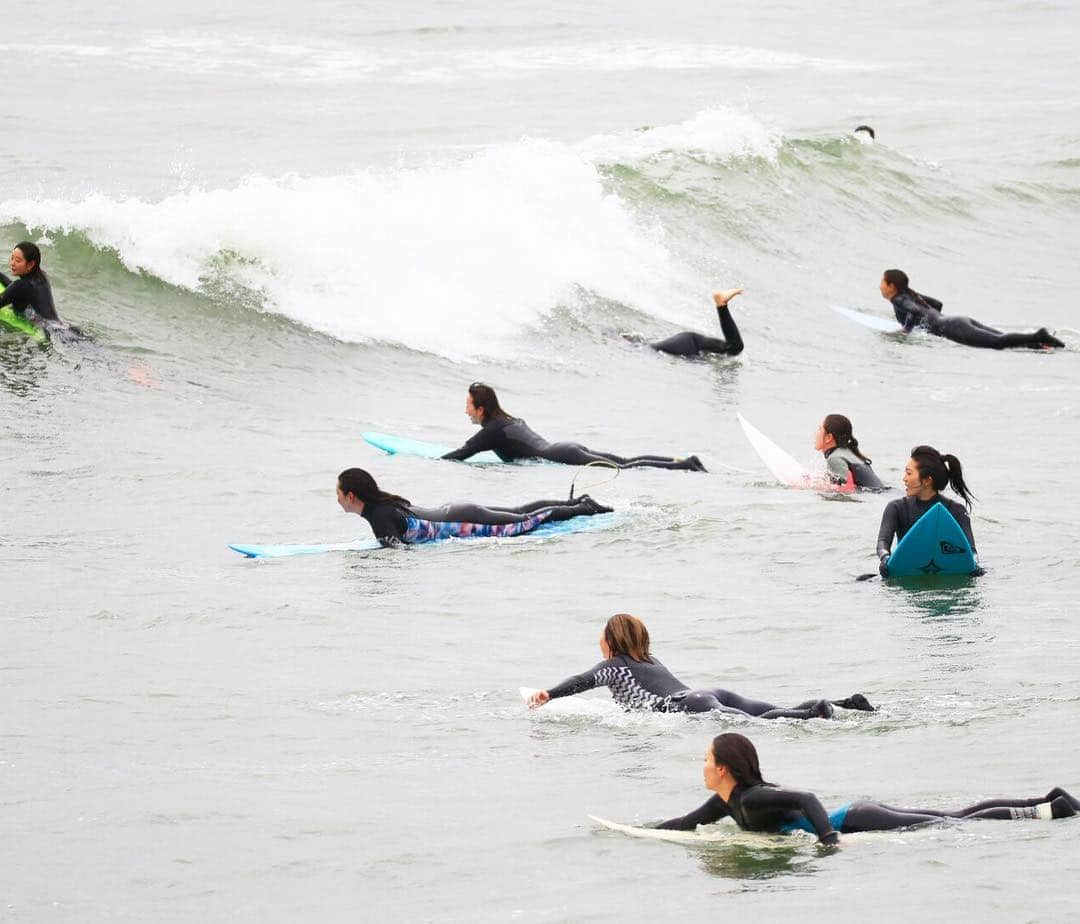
[
  {"x": 478, "y": 442},
  {"x": 711, "y": 811}
]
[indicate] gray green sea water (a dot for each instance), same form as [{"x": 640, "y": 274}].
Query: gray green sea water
[{"x": 287, "y": 225}]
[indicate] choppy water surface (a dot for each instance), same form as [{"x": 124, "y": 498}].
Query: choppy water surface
[{"x": 283, "y": 236}]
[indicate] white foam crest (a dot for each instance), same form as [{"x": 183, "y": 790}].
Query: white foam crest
[
  {"x": 454, "y": 259},
  {"x": 715, "y": 134}
]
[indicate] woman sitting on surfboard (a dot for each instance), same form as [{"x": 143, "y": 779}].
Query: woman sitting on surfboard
[
  {"x": 733, "y": 774},
  {"x": 913, "y": 309},
  {"x": 393, "y": 519},
  {"x": 510, "y": 438},
  {"x": 926, "y": 473},
  {"x": 637, "y": 680},
  {"x": 689, "y": 343},
  {"x": 846, "y": 464}
]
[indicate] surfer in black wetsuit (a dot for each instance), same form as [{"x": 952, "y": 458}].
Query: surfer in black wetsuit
[
  {"x": 394, "y": 519},
  {"x": 926, "y": 473},
  {"x": 637, "y": 680},
  {"x": 510, "y": 438},
  {"x": 913, "y": 309},
  {"x": 846, "y": 463},
  {"x": 689, "y": 343},
  {"x": 31, "y": 289},
  {"x": 733, "y": 773}
]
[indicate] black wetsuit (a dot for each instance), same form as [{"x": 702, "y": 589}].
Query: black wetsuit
[
  {"x": 761, "y": 807},
  {"x": 911, "y": 309},
  {"x": 30, "y": 291},
  {"x": 901, "y": 514},
  {"x": 689, "y": 343},
  {"x": 842, "y": 461},
  {"x": 768, "y": 808},
  {"x": 651, "y": 686},
  {"x": 510, "y": 438},
  {"x": 392, "y": 523}
]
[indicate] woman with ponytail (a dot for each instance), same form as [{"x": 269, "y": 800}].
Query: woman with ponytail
[
  {"x": 733, "y": 773},
  {"x": 393, "y": 519},
  {"x": 913, "y": 309},
  {"x": 510, "y": 438},
  {"x": 637, "y": 680},
  {"x": 31, "y": 289},
  {"x": 846, "y": 463},
  {"x": 926, "y": 473}
]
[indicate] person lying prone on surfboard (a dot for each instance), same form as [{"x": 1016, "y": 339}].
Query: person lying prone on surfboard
[
  {"x": 733, "y": 773},
  {"x": 637, "y": 680},
  {"x": 394, "y": 519}
]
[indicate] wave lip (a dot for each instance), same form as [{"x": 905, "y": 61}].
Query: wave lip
[
  {"x": 456, "y": 259},
  {"x": 715, "y": 134}
]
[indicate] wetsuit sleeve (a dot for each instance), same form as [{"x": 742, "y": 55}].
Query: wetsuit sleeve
[
  {"x": 478, "y": 442},
  {"x": 713, "y": 810},
  {"x": 764, "y": 797},
  {"x": 579, "y": 683},
  {"x": 887, "y": 530},
  {"x": 838, "y": 468},
  {"x": 11, "y": 293}
]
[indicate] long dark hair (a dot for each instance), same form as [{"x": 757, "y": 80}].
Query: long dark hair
[
  {"x": 899, "y": 278},
  {"x": 32, "y": 253},
  {"x": 839, "y": 427},
  {"x": 484, "y": 398},
  {"x": 627, "y": 635},
  {"x": 942, "y": 469},
  {"x": 362, "y": 486},
  {"x": 736, "y": 752}
]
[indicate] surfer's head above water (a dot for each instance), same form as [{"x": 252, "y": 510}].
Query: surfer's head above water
[
  {"x": 867, "y": 129},
  {"x": 928, "y": 471},
  {"x": 26, "y": 259},
  {"x": 835, "y": 431},
  {"x": 733, "y": 756},
  {"x": 356, "y": 488},
  {"x": 893, "y": 282},
  {"x": 625, "y": 635},
  {"x": 482, "y": 404}
]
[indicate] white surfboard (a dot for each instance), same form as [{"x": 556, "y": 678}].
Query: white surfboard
[
  {"x": 657, "y": 834},
  {"x": 783, "y": 467}
]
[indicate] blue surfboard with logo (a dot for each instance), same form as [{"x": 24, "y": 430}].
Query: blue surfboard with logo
[{"x": 934, "y": 545}]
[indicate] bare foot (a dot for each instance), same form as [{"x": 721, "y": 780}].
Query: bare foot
[{"x": 722, "y": 298}]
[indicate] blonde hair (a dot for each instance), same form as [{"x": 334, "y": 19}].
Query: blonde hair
[{"x": 627, "y": 635}]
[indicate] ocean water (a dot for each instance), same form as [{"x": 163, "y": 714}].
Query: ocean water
[{"x": 286, "y": 225}]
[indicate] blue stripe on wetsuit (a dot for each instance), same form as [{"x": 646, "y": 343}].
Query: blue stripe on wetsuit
[{"x": 836, "y": 819}]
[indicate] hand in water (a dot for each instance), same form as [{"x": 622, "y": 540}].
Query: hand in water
[{"x": 539, "y": 698}]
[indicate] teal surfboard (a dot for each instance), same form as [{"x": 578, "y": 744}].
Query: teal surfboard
[
  {"x": 9, "y": 318},
  {"x": 403, "y": 446},
  {"x": 545, "y": 530},
  {"x": 934, "y": 545}
]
